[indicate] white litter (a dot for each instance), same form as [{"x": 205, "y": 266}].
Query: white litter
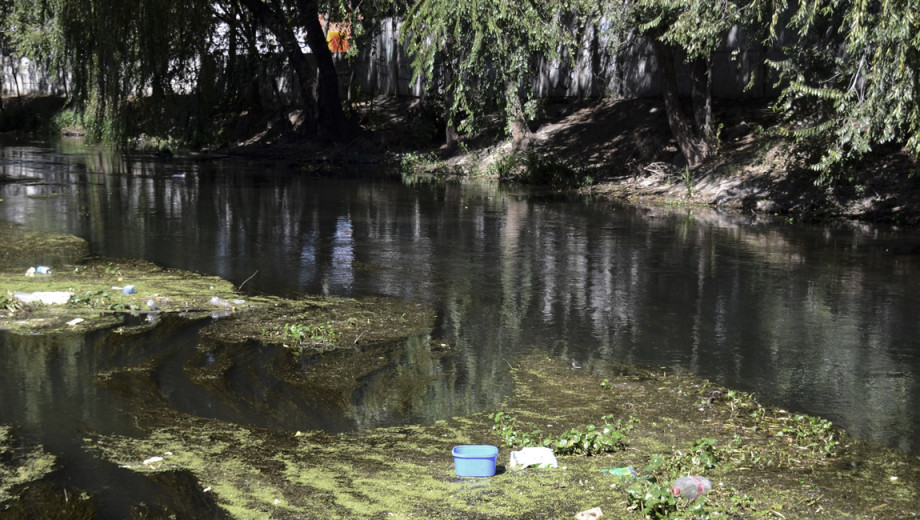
[
  {"x": 537, "y": 457},
  {"x": 154, "y": 462},
  {"x": 46, "y": 297}
]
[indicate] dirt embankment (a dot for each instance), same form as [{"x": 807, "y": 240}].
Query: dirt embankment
[{"x": 628, "y": 148}]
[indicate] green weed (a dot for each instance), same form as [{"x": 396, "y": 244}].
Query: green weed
[
  {"x": 314, "y": 335},
  {"x": 590, "y": 440}
]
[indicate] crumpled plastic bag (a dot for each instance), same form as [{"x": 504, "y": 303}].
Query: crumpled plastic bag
[
  {"x": 538, "y": 457},
  {"x": 46, "y": 297},
  {"x": 591, "y": 514}
]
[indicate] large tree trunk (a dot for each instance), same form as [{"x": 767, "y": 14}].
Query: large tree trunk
[
  {"x": 694, "y": 147},
  {"x": 274, "y": 20},
  {"x": 329, "y": 103},
  {"x": 701, "y": 85}
]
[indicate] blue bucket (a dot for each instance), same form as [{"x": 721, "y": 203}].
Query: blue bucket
[{"x": 476, "y": 460}]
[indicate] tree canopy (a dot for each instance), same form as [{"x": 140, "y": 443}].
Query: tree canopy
[
  {"x": 846, "y": 70},
  {"x": 851, "y": 77}
]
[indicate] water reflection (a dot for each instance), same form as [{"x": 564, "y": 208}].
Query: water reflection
[{"x": 820, "y": 320}]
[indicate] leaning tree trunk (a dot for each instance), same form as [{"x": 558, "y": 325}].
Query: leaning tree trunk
[
  {"x": 329, "y": 102},
  {"x": 694, "y": 148},
  {"x": 274, "y": 20}
]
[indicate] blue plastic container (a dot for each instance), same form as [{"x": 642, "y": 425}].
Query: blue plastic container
[{"x": 476, "y": 460}]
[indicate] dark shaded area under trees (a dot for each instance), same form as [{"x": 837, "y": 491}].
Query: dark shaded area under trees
[{"x": 201, "y": 74}]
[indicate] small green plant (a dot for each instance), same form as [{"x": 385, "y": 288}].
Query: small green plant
[
  {"x": 504, "y": 166},
  {"x": 68, "y": 119},
  {"x": 688, "y": 181},
  {"x": 9, "y": 304},
  {"x": 811, "y": 433},
  {"x": 703, "y": 453},
  {"x": 506, "y": 427},
  {"x": 651, "y": 499},
  {"x": 99, "y": 299},
  {"x": 323, "y": 334},
  {"x": 417, "y": 162},
  {"x": 593, "y": 440}
]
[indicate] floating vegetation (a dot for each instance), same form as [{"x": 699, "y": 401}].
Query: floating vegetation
[
  {"x": 763, "y": 462},
  {"x": 19, "y": 465}
]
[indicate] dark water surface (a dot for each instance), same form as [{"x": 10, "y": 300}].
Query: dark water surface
[{"x": 822, "y": 320}]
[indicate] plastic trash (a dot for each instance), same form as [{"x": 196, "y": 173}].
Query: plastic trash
[
  {"x": 220, "y": 302},
  {"x": 46, "y": 297},
  {"x": 691, "y": 487},
  {"x": 625, "y": 472},
  {"x": 538, "y": 457},
  {"x": 154, "y": 462},
  {"x": 591, "y": 514},
  {"x": 128, "y": 289},
  {"x": 42, "y": 269}
]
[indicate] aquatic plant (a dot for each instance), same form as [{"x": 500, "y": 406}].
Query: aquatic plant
[
  {"x": 590, "y": 440},
  {"x": 415, "y": 162},
  {"x": 322, "y": 334},
  {"x": 651, "y": 499},
  {"x": 688, "y": 181}
]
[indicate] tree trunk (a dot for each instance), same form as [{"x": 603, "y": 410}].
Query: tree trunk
[
  {"x": 274, "y": 20},
  {"x": 451, "y": 135},
  {"x": 521, "y": 136},
  {"x": 681, "y": 127},
  {"x": 329, "y": 103},
  {"x": 701, "y": 85}
]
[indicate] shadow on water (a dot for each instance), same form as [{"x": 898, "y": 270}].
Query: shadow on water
[{"x": 50, "y": 392}]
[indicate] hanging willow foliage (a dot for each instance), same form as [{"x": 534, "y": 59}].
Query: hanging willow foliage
[
  {"x": 484, "y": 51},
  {"x": 113, "y": 50},
  {"x": 851, "y": 79}
]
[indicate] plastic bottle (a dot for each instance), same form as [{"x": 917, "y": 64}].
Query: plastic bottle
[{"x": 691, "y": 487}]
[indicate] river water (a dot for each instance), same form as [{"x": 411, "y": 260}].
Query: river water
[{"x": 817, "y": 319}]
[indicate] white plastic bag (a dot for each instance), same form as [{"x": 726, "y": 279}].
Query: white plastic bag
[{"x": 538, "y": 457}]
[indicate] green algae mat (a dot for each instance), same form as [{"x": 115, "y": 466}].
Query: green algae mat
[{"x": 763, "y": 462}]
